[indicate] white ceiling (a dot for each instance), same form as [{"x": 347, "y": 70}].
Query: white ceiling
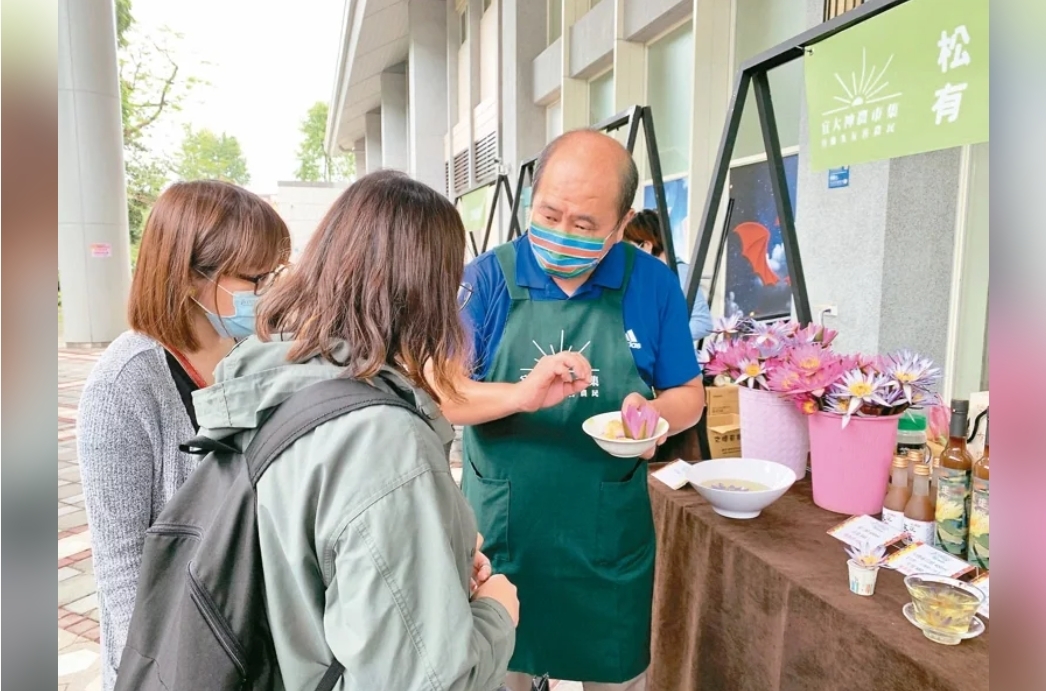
[{"x": 382, "y": 41}]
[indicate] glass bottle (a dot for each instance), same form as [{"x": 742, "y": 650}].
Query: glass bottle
[
  {"x": 978, "y": 549},
  {"x": 897, "y": 493},
  {"x": 915, "y": 458},
  {"x": 953, "y": 485},
  {"x": 918, "y": 512}
]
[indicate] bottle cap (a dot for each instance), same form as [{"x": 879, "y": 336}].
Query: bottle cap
[
  {"x": 912, "y": 421},
  {"x": 900, "y": 461},
  {"x": 915, "y": 456},
  {"x": 922, "y": 469}
]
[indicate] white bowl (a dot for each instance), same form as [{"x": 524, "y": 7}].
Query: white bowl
[
  {"x": 771, "y": 481},
  {"x": 621, "y": 448}
]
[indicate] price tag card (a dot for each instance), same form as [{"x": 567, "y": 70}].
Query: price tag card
[
  {"x": 982, "y": 583},
  {"x": 862, "y": 530},
  {"x": 674, "y": 474},
  {"x": 921, "y": 558}
]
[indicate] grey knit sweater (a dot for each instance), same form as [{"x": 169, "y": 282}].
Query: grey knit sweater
[{"x": 130, "y": 425}]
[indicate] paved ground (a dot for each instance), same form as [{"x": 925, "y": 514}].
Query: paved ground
[
  {"x": 78, "y": 663},
  {"x": 78, "y": 652}
]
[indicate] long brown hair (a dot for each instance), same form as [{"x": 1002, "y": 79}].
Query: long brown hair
[
  {"x": 380, "y": 274},
  {"x": 201, "y": 227}
]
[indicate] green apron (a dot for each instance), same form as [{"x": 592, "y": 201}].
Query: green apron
[{"x": 568, "y": 524}]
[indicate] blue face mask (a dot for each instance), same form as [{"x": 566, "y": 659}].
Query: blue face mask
[{"x": 239, "y": 324}]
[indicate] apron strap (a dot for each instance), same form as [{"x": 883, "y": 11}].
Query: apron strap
[{"x": 506, "y": 255}]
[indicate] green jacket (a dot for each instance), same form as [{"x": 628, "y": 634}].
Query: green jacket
[{"x": 366, "y": 541}]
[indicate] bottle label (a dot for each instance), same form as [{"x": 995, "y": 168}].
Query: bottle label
[
  {"x": 894, "y": 519},
  {"x": 953, "y": 491},
  {"x": 978, "y": 553},
  {"x": 919, "y": 531}
]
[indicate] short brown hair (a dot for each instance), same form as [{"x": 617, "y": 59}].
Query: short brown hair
[
  {"x": 645, "y": 226},
  {"x": 380, "y": 274},
  {"x": 206, "y": 226}
]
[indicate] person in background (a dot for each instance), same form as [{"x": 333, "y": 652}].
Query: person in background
[
  {"x": 369, "y": 551},
  {"x": 568, "y": 322},
  {"x": 644, "y": 231},
  {"x": 209, "y": 249}
]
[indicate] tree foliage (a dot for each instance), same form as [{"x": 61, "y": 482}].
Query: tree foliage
[
  {"x": 209, "y": 156},
  {"x": 314, "y": 163},
  {"x": 152, "y": 86}
]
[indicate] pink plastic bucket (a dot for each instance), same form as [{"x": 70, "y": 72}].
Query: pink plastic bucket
[
  {"x": 773, "y": 429},
  {"x": 851, "y": 466}
]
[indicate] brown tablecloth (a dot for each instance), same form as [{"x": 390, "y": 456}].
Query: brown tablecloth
[{"x": 765, "y": 605}]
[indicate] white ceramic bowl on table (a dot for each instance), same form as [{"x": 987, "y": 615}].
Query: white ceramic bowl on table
[
  {"x": 740, "y": 487},
  {"x": 596, "y": 425}
]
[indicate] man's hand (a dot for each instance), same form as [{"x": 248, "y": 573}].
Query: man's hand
[
  {"x": 480, "y": 567},
  {"x": 553, "y": 378},
  {"x": 636, "y": 400}
]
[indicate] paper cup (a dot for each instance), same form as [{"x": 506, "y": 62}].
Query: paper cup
[{"x": 862, "y": 578}]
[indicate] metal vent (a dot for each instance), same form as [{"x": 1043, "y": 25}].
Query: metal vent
[
  {"x": 834, "y": 8},
  {"x": 446, "y": 178},
  {"x": 486, "y": 158},
  {"x": 461, "y": 171}
]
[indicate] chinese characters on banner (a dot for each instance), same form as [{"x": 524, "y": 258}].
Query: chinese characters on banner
[{"x": 912, "y": 79}]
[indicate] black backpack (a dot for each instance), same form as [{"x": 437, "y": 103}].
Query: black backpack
[{"x": 199, "y": 618}]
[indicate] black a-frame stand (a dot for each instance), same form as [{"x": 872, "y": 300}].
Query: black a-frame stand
[
  {"x": 501, "y": 183},
  {"x": 633, "y": 118},
  {"x": 754, "y": 73}
]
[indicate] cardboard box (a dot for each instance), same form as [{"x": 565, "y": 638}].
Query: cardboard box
[
  {"x": 721, "y": 400},
  {"x": 724, "y": 435}
]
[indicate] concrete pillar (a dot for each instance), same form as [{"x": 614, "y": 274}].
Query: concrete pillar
[
  {"x": 372, "y": 137},
  {"x": 574, "y": 95},
  {"x": 359, "y": 151},
  {"x": 523, "y": 38},
  {"x": 394, "y": 120},
  {"x": 428, "y": 94},
  {"x": 93, "y": 242}
]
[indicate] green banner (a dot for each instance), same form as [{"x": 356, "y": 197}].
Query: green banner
[
  {"x": 912, "y": 79},
  {"x": 474, "y": 208}
]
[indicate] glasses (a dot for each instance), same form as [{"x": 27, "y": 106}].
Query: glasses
[
  {"x": 464, "y": 295},
  {"x": 265, "y": 281}
]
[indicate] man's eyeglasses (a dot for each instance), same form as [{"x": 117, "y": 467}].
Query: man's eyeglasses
[{"x": 464, "y": 295}]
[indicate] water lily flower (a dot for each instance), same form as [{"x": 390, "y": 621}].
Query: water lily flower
[
  {"x": 860, "y": 388},
  {"x": 909, "y": 372},
  {"x": 867, "y": 554},
  {"x": 640, "y": 421},
  {"x": 809, "y": 358},
  {"x": 728, "y": 326},
  {"x": 752, "y": 371}
]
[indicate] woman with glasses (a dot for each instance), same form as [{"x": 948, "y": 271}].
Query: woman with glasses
[{"x": 208, "y": 251}]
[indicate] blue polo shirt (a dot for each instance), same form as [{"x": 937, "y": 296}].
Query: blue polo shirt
[{"x": 655, "y": 317}]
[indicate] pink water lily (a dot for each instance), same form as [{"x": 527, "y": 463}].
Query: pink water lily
[
  {"x": 752, "y": 371},
  {"x": 640, "y": 422}
]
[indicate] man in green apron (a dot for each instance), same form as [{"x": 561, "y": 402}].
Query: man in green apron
[{"x": 567, "y": 323}]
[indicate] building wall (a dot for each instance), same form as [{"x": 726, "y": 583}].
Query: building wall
[
  {"x": 883, "y": 251},
  {"x": 302, "y": 206}
]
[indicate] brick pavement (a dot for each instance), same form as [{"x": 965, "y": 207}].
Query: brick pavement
[
  {"x": 78, "y": 660},
  {"x": 78, "y": 634}
]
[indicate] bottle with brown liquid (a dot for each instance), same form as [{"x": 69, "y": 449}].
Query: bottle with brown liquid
[
  {"x": 978, "y": 550},
  {"x": 918, "y": 512},
  {"x": 897, "y": 493},
  {"x": 953, "y": 485}
]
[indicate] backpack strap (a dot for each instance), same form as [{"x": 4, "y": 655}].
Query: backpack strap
[
  {"x": 331, "y": 677},
  {"x": 308, "y": 409},
  {"x": 201, "y": 446}
]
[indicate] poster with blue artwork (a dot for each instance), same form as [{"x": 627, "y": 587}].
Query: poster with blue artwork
[
  {"x": 757, "y": 279},
  {"x": 676, "y": 199}
]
